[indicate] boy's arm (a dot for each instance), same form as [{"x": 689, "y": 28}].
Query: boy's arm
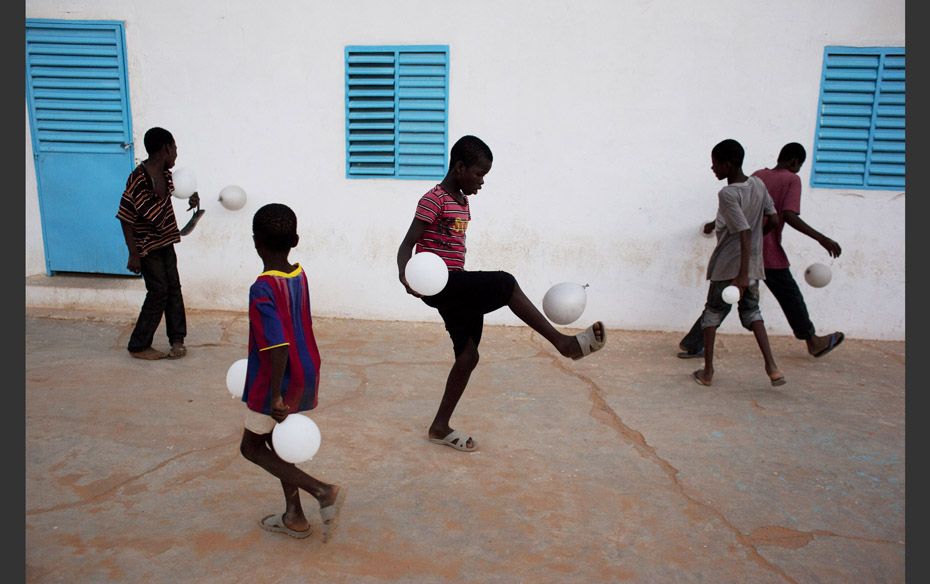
[
  {"x": 278, "y": 355},
  {"x": 832, "y": 247},
  {"x": 405, "y": 251},
  {"x": 134, "y": 264},
  {"x": 745, "y": 245},
  {"x": 769, "y": 222}
]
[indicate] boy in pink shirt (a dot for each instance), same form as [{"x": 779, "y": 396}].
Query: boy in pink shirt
[
  {"x": 784, "y": 186},
  {"x": 439, "y": 226}
]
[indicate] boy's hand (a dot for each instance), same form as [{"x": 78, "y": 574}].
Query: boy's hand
[
  {"x": 194, "y": 201},
  {"x": 741, "y": 282},
  {"x": 410, "y": 290},
  {"x": 134, "y": 264},
  {"x": 279, "y": 409},
  {"x": 709, "y": 227},
  {"x": 832, "y": 247}
]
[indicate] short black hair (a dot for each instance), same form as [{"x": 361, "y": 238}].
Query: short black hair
[
  {"x": 157, "y": 138},
  {"x": 729, "y": 151},
  {"x": 275, "y": 227},
  {"x": 469, "y": 149},
  {"x": 792, "y": 151}
]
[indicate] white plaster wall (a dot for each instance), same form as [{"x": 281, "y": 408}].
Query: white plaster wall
[{"x": 601, "y": 116}]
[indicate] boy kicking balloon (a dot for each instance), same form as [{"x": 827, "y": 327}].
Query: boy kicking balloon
[{"x": 438, "y": 226}]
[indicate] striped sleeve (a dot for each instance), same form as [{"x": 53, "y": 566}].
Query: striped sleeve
[
  {"x": 127, "y": 211},
  {"x": 264, "y": 319},
  {"x": 429, "y": 208}
]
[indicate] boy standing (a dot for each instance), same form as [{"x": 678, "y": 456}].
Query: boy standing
[
  {"x": 439, "y": 225},
  {"x": 283, "y": 372},
  {"x": 784, "y": 185},
  {"x": 744, "y": 210},
  {"x": 150, "y": 230}
]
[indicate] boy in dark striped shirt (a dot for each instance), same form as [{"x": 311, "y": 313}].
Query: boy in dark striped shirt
[
  {"x": 150, "y": 230},
  {"x": 439, "y": 226}
]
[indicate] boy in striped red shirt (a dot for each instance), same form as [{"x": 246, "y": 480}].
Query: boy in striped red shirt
[
  {"x": 283, "y": 373},
  {"x": 439, "y": 226}
]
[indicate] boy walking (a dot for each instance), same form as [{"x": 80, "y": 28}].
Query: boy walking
[
  {"x": 150, "y": 230},
  {"x": 439, "y": 226},
  {"x": 784, "y": 185},
  {"x": 283, "y": 372},
  {"x": 744, "y": 210}
]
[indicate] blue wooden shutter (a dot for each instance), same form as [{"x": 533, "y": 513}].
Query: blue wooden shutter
[
  {"x": 860, "y": 135},
  {"x": 76, "y": 84},
  {"x": 396, "y": 111}
]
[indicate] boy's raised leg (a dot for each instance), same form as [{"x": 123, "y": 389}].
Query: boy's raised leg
[{"x": 526, "y": 311}]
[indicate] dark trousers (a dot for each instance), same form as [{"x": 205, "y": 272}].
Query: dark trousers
[
  {"x": 786, "y": 292},
  {"x": 163, "y": 296}
]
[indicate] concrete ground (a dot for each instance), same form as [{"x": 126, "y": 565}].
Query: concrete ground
[{"x": 615, "y": 468}]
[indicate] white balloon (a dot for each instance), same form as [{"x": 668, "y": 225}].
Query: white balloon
[
  {"x": 296, "y": 439},
  {"x": 232, "y": 197},
  {"x": 564, "y": 302},
  {"x": 235, "y": 377},
  {"x": 730, "y": 294},
  {"x": 426, "y": 273},
  {"x": 185, "y": 182},
  {"x": 818, "y": 275}
]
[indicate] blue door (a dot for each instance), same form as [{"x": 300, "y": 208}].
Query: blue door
[{"x": 78, "y": 101}]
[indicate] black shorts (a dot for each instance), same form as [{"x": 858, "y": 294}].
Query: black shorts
[{"x": 467, "y": 297}]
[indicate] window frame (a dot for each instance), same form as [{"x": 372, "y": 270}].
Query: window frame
[
  {"x": 396, "y": 126},
  {"x": 845, "y": 113}
]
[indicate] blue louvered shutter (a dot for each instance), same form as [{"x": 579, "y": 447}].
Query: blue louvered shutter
[
  {"x": 76, "y": 82},
  {"x": 397, "y": 111},
  {"x": 860, "y": 137}
]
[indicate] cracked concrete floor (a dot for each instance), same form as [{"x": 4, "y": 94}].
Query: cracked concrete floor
[{"x": 615, "y": 468}]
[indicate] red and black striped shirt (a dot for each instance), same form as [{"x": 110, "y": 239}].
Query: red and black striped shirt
[
  {"x": 150, "y": 215},
  {"x": 447, "y": 221}
]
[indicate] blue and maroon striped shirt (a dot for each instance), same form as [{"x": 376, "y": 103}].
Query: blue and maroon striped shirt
[
  {"x": 279, "y": 315},
  {"x": 447, "y": 221}
]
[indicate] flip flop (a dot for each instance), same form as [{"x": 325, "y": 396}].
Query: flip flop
[
  {"x": 835, "y": 340},
  {"x": 330, "y": 514},
  {"x": 779, "y": 381},
  {"x": 457, "y": 440},
  {"x": 275, "y": 523},
  {"x": 697, "y": 377},
  {"x": 690, "y": 355},
  {"x": 588, "y": 340}
]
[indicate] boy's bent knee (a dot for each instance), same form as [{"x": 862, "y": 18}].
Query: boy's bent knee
[
  {"x": 468, "y": 358},
  {"x": 251, "y": 445}
]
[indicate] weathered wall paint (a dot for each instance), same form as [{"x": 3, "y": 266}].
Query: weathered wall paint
[{"x": 601, "y": 116}]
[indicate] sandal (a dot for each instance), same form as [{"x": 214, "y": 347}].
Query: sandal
[
  {"x": 588, "y": 340},
  {"x": 177, "y": 351},
  {"x": 457, "y": 440},
  {"x": 275, "y": 523}
]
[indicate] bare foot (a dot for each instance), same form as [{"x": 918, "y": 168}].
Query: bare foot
[{"x": 702, "y": 377}]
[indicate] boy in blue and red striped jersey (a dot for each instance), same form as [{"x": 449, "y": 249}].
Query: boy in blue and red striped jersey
[
  {"x": 283, "y": 372},
  {"x": 439, "y": 226}
]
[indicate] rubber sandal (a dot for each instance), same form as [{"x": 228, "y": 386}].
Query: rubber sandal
[
  {"x": 835, "y": 340},
  {"x": 457, "y": 440},
  {"x": 588, "y": 340},
  {"x": 275, "y": 524}
]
